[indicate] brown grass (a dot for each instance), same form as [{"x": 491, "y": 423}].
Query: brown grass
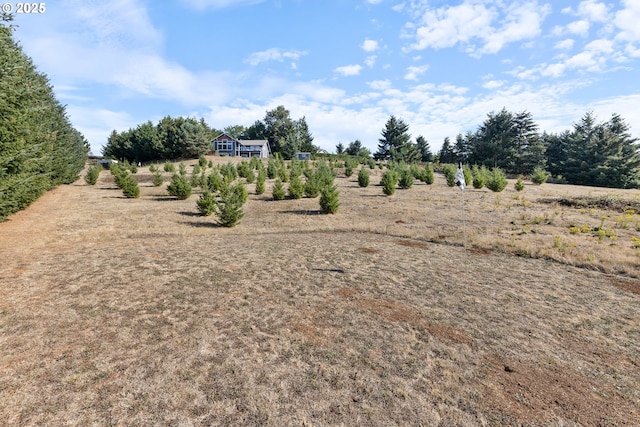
[{"x": 140, "y": 312}]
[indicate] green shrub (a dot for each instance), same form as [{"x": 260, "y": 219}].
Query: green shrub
[
  {"x": 278, "y": 192},
  {"x": 229, "y": 207},
  {"x": 519, "y": 185},
  {"x": 428, "y": 176},
  {"x": 93, "y": 174},
  {"x": 130, "y": 187},
  {"x": 214, "y": 181},
  {"x": 179, "y": 187},
  {"x": 210, "y": 164},
  {"x": 479, "y": 176},
  {"x": 229, "y": 172},
  {"x": 242, "y": 191},
  {"x": 206, "y": 203},
  {"x": 272, "y": 168},
  {"x": 243, "y": 169},
  {"x": 405, "y": 180},
  {"x": 260, "y": 183},
  {"x": 153, "y": 168},
  {"x": 283, "y": 174},
  {"x": 202, "y": 161},
  {"x": 296, "y": 187},
  {"x": 497, "y": 181},
  {"x": 169, "y": 167},
  {"x": 468, "y": 175},
  {"x": 363, "y": 177},
  {"x": 329, "y": 199},
  {"x": 449, "y": 172},
  {"x": 539, "y": 176},
  {"x": 389, "y": 182},
  {"x": 372, "y": 164},
  {"x": 157, "y": 179},
  {"x": 348, "y": 170}
]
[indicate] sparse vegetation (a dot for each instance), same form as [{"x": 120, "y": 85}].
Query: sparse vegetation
[
  {"x": 389, "y": 182},
  {"x": 179, "y": 187},
  {"x": 209, "y": 328}
]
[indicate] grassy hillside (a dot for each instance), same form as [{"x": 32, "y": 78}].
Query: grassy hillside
[{"x": 120, "y": 311}]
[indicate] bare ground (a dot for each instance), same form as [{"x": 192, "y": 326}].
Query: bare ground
[{"x": 140, "y": 312}]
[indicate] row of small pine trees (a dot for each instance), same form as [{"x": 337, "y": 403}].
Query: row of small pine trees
[{"x": 494, "y": 179}]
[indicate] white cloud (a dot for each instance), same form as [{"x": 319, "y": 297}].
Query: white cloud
[
  {"x": 349, "y": 70},
  {"x": 273, "y": 54},
  {"x": 493, "y": 84},
  {"x": 580, "y": 28},
  {"x": 414, "y": 72},
  {"x": 594, "y": 11},
  {"x": 370, "y": 45},
  {"x": 627, "y": 20},
  {"x": 379, "y": 84},
  {"x": 565, "y": 44},
  {"x": 370, "y": 61},
  {"x": 474, "y": 22}
]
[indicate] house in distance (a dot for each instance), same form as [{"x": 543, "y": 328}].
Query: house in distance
[{"x": 226, "y": 145}]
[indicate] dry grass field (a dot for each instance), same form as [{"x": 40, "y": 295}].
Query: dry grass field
[{"x": 140, "y": 312}]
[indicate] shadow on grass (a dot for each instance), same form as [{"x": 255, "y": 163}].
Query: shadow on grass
[
  {"x": 302, "y": 212},
  {"x": 212, "y": 224},
  {"x": 189, "y": 213}
]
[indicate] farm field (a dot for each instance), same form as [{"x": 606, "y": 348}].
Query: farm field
[{"x": 118, "y": 311}]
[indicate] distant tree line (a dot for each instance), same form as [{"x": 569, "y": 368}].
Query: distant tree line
[
  {"x": 599, "y": 154},
  {"x": 39, "y": 149},
  {"x": 177, "y": 138}
]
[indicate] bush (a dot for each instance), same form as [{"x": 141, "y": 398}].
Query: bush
[
  {"x": 179, "y": 187},
  {"x": 278, "y": 190},
  {"x": 405, "y": 180},
  {"x": 130, "y": 187},
  {"x": 497, "y": 181},
  {"x": 296, "y": 187},
  {"x": 229, "y": 172},
  {"x": 157, "y": 179},
  {"x": 243, "y": 169},
  {"x": 329, "y": 199},
  {"x": 153, "y": 168},
  {"x": 539, "y": 176},
  {"x": 363, "y": 177},
  {"x": 229, "y": 207},
  {"x": 428, "y": 176},
  {"x": 251, "y": 176},
  {"x": 202, "y": 161},
  {"x": 214, "y": 181},
  {"x": 93, "y": 174},
  {"x": 206, "y": 203},
  {"x": 389, "y": 182},
  {"x": 272, "y": 168},
  {"x": 519, "y": 185},
  {"x": 479, "y": 176},
  {"x": 260, "y": 183},
  {"x": 449, "y": 172},
  {"x": 182, "y": 169},
  {"x": 348, "y": 170},
  {"x": 169, "y": 167},
  {"x": 468, "y": 175}
]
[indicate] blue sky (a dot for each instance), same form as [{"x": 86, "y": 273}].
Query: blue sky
[{"x": 345, "y": 65}]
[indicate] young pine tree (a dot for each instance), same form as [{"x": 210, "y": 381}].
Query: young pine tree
[
  {"x": 296, "y": 187},
  {"x": 278, "y": 192},
  {"x": 179, "y": 187},
  {"x": 363, "y": 177},
  {"x": 389, "y": 182},
  {"x": 329, "y": 199}
]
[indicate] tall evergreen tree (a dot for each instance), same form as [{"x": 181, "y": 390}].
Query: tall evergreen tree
[
  {"x": 424, "y": 149},
  {"x": 446, "y": 153},
  {"x": 394, "y": 136},
  {"x": 39, "y": 149},
  {"x": 602, "y": 154}
]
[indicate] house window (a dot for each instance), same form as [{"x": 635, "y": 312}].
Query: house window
[{"x": 225, "y": 145}]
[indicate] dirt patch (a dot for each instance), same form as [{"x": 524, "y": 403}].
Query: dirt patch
[
  {"x": 370, "y": 250},
  {"x": 627, "y": 285},
  {"x": 551, "y": 394},
  {"x": 479, "y": 251},
  {"x": 397, "y": 312}
]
